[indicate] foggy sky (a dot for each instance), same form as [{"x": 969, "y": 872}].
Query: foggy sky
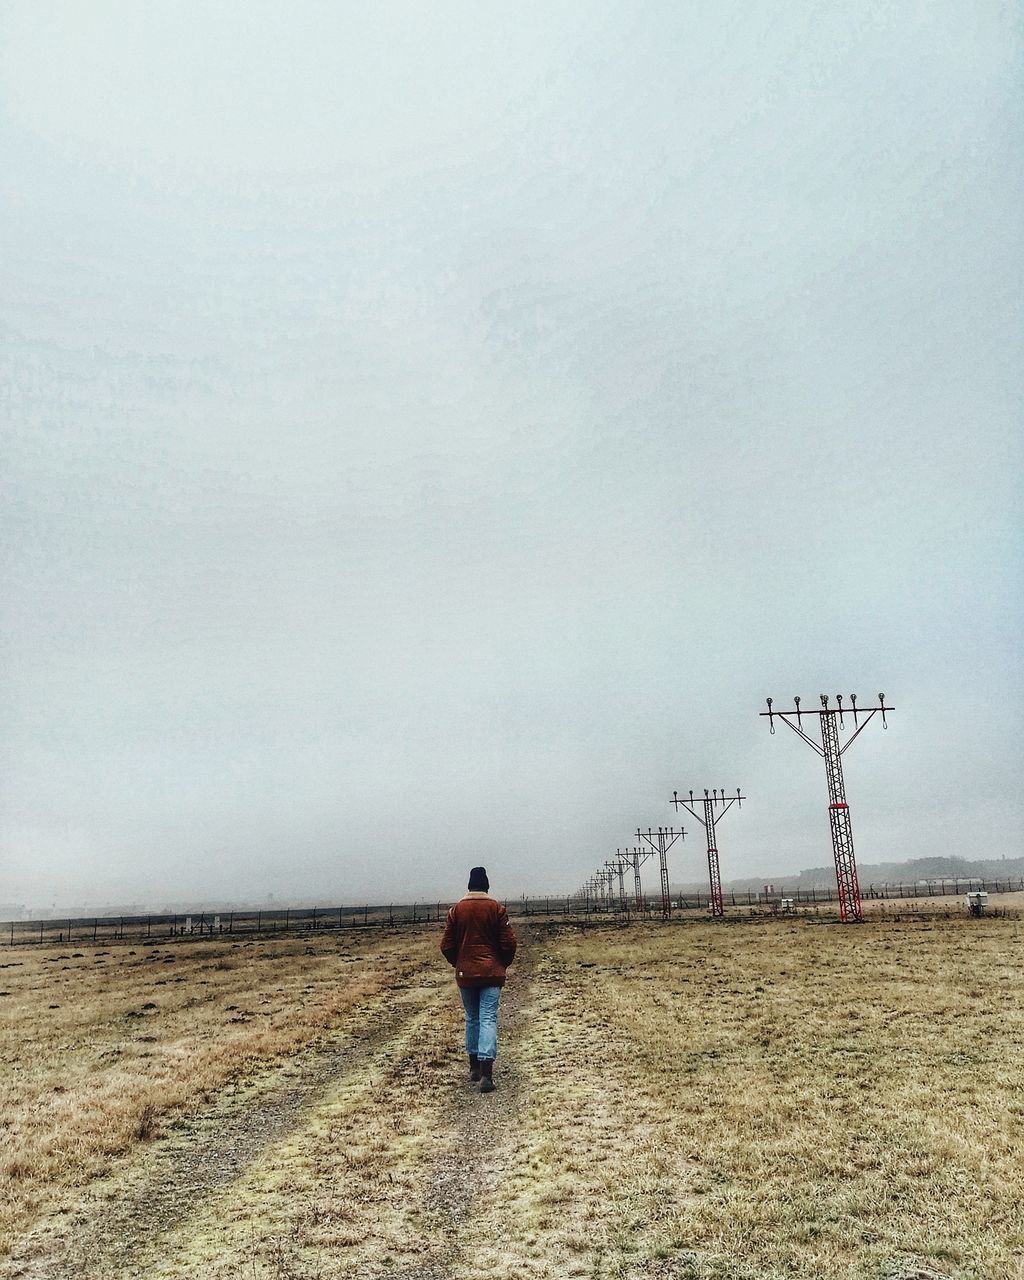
[{"x": 433, "y": 430}]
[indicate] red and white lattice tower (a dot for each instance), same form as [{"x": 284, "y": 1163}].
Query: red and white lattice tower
[{"x": 832, "y": 750}]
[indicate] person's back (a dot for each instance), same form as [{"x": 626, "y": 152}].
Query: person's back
[
  {"x": 478, "y": 940},
  {"x": 479, "y": 943}
]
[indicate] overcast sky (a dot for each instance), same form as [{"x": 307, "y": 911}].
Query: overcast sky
[{"x": 432, "y": 430}]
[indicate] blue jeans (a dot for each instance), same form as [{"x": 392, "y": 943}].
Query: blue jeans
[{"x": 481, "y": 1006}]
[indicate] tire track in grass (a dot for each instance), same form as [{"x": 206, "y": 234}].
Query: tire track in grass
[{"x": 208, "y": 1152}]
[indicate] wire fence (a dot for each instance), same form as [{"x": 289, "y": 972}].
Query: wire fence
[
  {"x": 774, "y": 899},
  {"x": 298, "y": 920},
  {"x": 214, "y": 924}
]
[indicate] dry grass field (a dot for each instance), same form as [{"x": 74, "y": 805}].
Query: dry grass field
[{"x": 745, "y": 1100}]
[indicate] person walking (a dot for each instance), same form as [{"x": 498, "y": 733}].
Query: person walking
[{"x": 479, "y": 943}]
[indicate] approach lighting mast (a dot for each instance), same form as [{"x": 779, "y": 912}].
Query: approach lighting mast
[
  {"x": 660, "y": 842},
  {"x": 716, "y": 806},
  {"x": 636, "y": 857},
  {"x": 617, "y": 867},
  {"x": 832, "y": 721}
]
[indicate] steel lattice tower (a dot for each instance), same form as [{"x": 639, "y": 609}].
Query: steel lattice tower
[
  {"x": 660, "y": 842},
  {"x": 637, "y": 858},
  {"x": 831, "y": 719},
  {"x": 600, "y": 886},
  {"x": 617, "y": 867},
  {"x": 708, "y": 823}
]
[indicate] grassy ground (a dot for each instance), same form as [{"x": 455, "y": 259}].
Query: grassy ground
[
  {"x": 100, "y": 1047},
  {"x": 749, "y": 1100}
]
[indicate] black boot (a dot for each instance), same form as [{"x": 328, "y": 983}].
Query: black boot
[
  {"x": 474, "y": 1068},
  {"x": 487, "y": 1084}
]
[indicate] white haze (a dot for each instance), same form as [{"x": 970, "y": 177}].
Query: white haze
[{"x": 432, "y": 431}]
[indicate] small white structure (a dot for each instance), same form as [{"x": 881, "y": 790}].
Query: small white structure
[
  {"x": 788, "y": 905},
  {"x": 976, "y": 901}
]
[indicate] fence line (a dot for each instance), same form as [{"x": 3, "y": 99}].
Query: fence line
[
  {"x": 752, "y": 897},
  {"x": 198, "y": 924},
  {"x": 159, "y": 926}
]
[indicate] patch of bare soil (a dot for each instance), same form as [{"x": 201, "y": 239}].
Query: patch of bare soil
[
  {"x": 208, "y": 1151},
  {"x": 911, "y": 1271}
]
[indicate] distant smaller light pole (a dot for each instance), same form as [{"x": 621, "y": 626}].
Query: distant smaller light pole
[
  {"x": 711, "y": 802},
  {"x": 660, "y": 842},
  {"x": 617, "y": 867},
  {"x": 636, "y": 857}
]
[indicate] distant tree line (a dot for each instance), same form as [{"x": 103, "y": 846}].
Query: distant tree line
[{"x": 878, "y": 873}]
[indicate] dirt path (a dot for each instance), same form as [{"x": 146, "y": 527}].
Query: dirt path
[
  {"x": 209, "y": 1151},
  {"x": 483, "y": 1127},
  {"x": 123, "y": 1228}
]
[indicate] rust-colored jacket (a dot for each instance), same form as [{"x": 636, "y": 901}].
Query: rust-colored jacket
[{"x": 478, "y": 940}]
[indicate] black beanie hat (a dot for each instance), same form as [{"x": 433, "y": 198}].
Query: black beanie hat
[{"x": 478, "y": 882}]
